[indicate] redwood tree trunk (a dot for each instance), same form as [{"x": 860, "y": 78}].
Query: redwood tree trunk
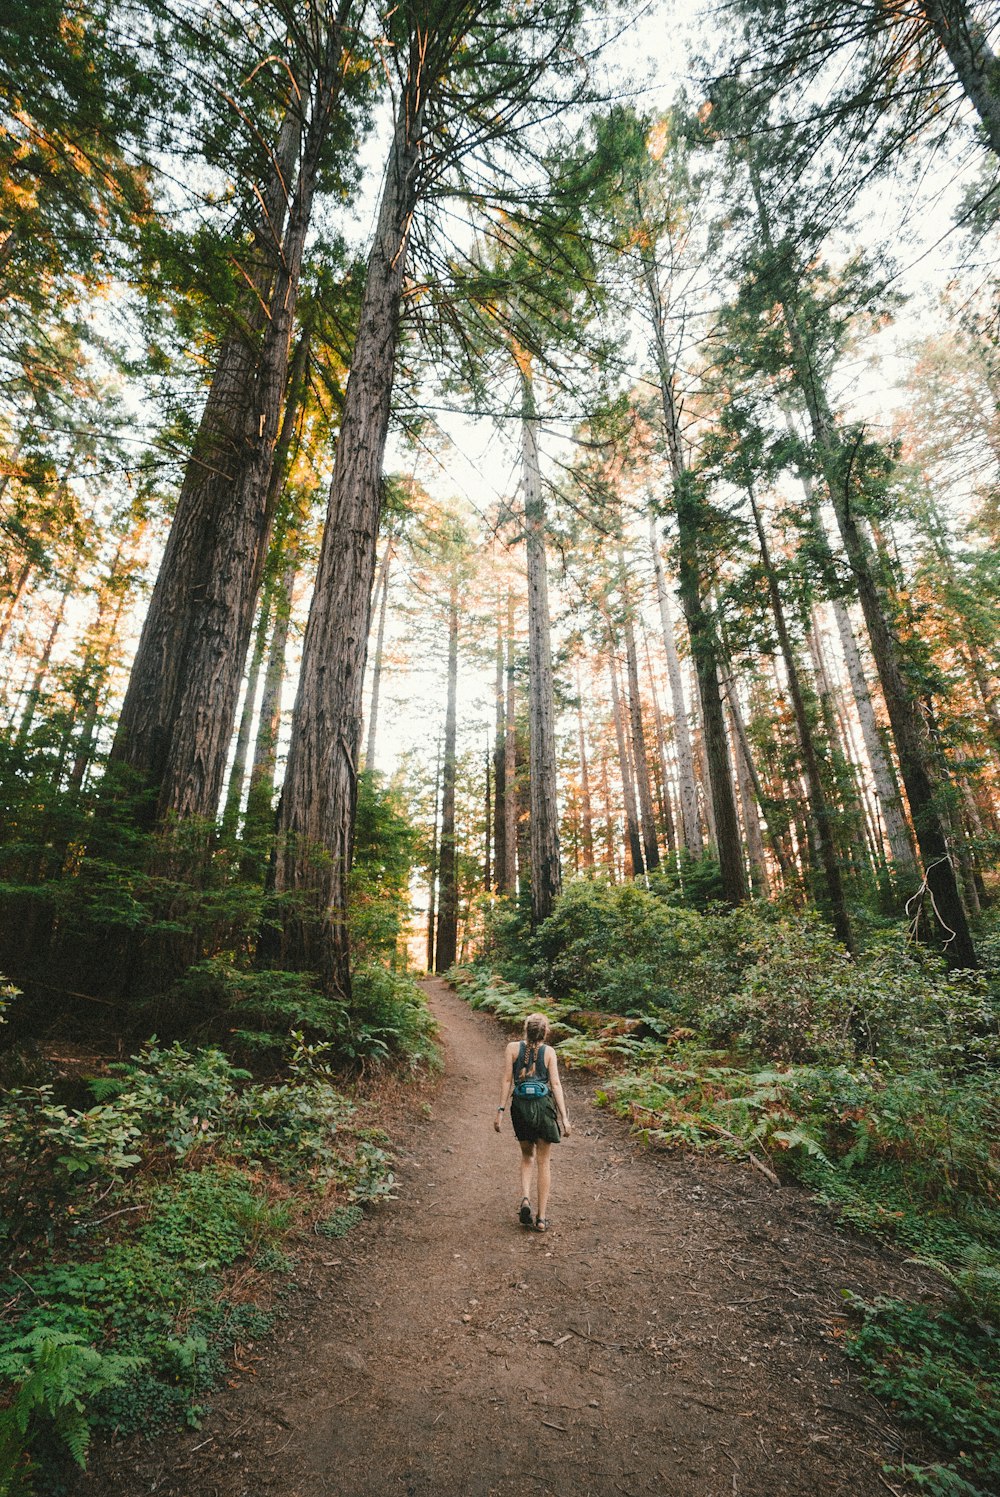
[
  {"x": 625, "y": 763},
  {"x": 650, "y": 848},
  {"x": 447, "y": 920},
  {"x": 977, "y": 67},
  {"x": 177, "y": 718},
  {"x": 319, "y": 798},
  {"x": 546, "y": 874}
]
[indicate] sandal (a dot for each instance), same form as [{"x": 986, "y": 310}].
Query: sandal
[
  {"x": 541, "y": 1224},
  {"x": 524, "y": 1215}
]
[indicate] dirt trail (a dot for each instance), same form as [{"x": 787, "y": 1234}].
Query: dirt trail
[{"x": 675, "y": 1333}]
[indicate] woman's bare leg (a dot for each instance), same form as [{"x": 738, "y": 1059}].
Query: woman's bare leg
[
  {"x": 542, "y": 1153},
  {"x": 527, "y": 1155}
]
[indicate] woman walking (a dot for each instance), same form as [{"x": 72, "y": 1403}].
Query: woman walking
[{"x": 532, "y": 1087}]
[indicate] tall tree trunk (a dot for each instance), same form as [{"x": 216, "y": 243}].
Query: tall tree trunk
[
  {"x": 34, "y": 693},
  {"x": 237, "y": 774},
  {"x": 432, "y": 883},
  {"x": 818, "y": 803},
  {"x": 488, "y": 828},
  {"x": 499, "y": 768},
  {"x": 447, "y": 922},
  {"x": 650, "y": 849},
  {"x": 381, "y": 592},
  {"x": 546, "y": 874},
  {"x": 976, "y": 65},
  {"x": 610, "y": 839},
  {"x": 510, "y": 809},
  {"x": 319, "y": 798},
  {"x": 759, "y": 876},
  {"x": 690, "y": 825},
  {"x": 663, "y": 784},
  {"x": 624, "y": 760},
  {"x": 177, "y": 717},
  {"x": 749, "y": 769},
  {"x": 883, "y": 774},
  {"x": 586, "y": 808},
  {"x": 259, "y": 814}
]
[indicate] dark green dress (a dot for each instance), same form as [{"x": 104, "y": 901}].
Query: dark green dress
[{"x": 534, "y": 1118}]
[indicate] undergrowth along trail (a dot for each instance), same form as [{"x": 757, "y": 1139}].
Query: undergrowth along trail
[{"x": 678, "y": 1332}]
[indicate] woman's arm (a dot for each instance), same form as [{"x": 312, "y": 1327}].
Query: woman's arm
[
  {"x": 552, "y": 1065},
  {"x": 506, "y": 1082}
]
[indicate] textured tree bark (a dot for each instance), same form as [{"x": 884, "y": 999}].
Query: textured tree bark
[
  {"x": 177, "y": 718},
  {"x": 381, "y": 592},
  {"x": 818, "y": 803},
  {"x": 488, "y": 825},
  {"x": 319, "y": 798},
  {"x": 855, "y": 843},
  {"x": 690, "y": 824},
  {"x": 447, "y": 920},
  {"x": 546, "y": 873},
  {"x": 977, "y": 67},
  {"x": 625, "y": 763}
]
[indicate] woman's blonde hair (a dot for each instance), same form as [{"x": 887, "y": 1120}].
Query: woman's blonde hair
[{"x": 536, "y": 1027}]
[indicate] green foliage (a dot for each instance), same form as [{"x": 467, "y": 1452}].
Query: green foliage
[
  {"x": 940, "y": 1371},
  {"x": 52, "y": 1376},
  {"x": 873, "y": 1082},
  {"x": 339, "y": 1222},
  {"x": 200, "y": 1169}
]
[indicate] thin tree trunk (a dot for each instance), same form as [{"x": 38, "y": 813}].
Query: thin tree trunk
[
  {"x": 447, "y": 921},
  {"x": 500, "y": 854},
  {"x": 382, "y": 583},
  {"x": 546, "y": 875},
  {"x": 663, "y": 786},
  {"x": 34, "y": 693},
  {"x": 760, "y": 878},
  {"x": 624, "y": 760},
  {"x": 609, "y": 822},
  {"x": 432, "y": 889},
  {"x": 650, "y": 848},
  {"x": 586, "y": 809},
  {"x": 319, "y": 798},
  {"x": 690, "y": 824},
  {"x": 818, "y": 804},
  {"x": 509, "y": 886},
  {"x": 237, "y": 774},
  {"x": 262, "y": 770},
  {"x": 488, "y": 830},
  {"x": 749, "y": 768}
]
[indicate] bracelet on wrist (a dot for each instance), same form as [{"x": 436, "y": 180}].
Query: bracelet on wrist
[{"x": 501, "y": 1109}]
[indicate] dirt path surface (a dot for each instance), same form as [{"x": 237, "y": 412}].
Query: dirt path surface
[{"x": 676, "y": 1332}]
